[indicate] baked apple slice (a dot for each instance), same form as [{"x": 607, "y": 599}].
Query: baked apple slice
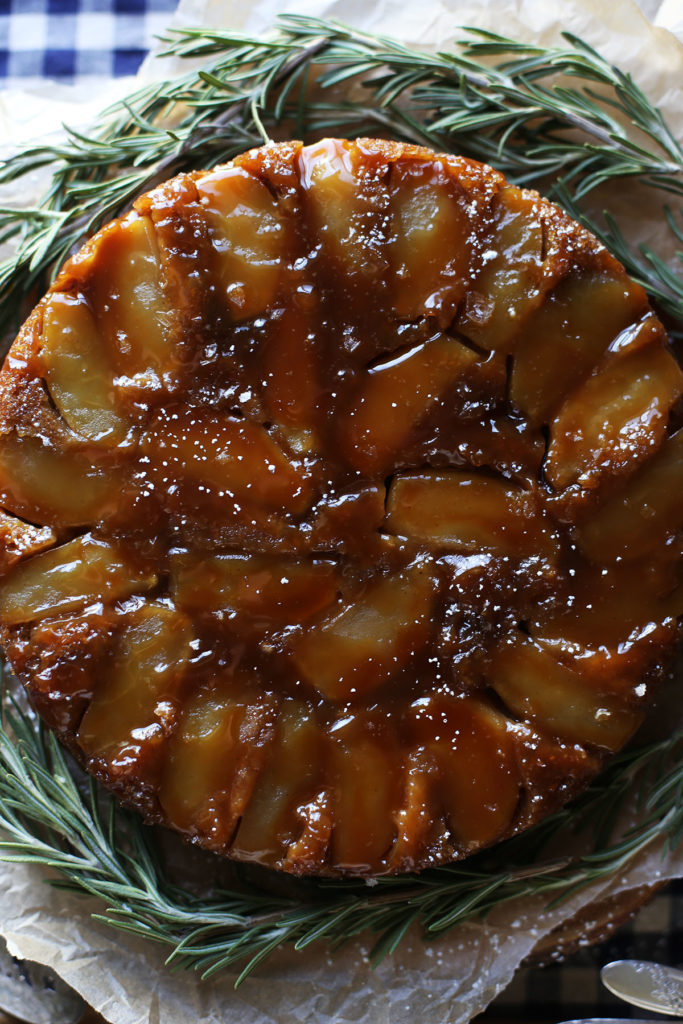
[
  {"x": 290, "y": 371},
  {"x": 616, "y": 418},
  {"x": 395, "y": 396},
  {"x": 346, "y": 202},
  {"x": 460, "y": 511},
  {"x": 561, "y": 700},
  {"x": 20, "y": 540},
  {"x": 519, "y": 269},
  {"x": 214, "y": 758},
  {"x": 65, "y": 658},
  {"x": 248, "y": 237},
  {"x": 643, "y": 514},
  {"x": 372, "y": 638},
  {"x": 363, "y": 750},
  {"x": 226, "y": 458},
  {"x": 610, "y": 624},
  {"x": 292, "y": 777},
  {"x": 57, "y": 486},
  {"x": 68, "y": 577},
  {"x": 467, "y": 753},
  {"x": 130, "y": 304},
  {"x": 269, "y": 588},
  {"x": 135, "y": 706},
  {"x": 79, "y": 373},
  {"x": 580, "y": 319},
  {"x": 430, "y": 252}
]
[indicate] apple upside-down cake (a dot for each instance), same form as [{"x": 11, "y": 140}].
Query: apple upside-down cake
[{"x": 342, "y": 506}]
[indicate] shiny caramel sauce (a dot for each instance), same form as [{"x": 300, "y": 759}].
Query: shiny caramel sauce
[{"x": 342, "y": 519}]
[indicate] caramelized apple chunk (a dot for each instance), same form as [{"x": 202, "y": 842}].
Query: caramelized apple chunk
[
  {"x": 63, "y": 662},
  {"x": 516, "y": 274},
  {"x": 578, "y": 322},
  {"x": 274, "y": 589},
  {"x": 610, "y": 624},
  {"x": 19, "y": 540},
  {"x": 565, "y": 701},
  {"x": 248, "y": 238},
  {"x": 68, "y": 577},
  {"x": 214, "y": 759},
  {"x": 271, "y": 821},
  {"x": 290, "y": 368},
  {"x": 346, "y": 202},
  {"x": 129, "y": 300},
  {"x": 396, "y": 395},
  {"x": 78, "y": 373},
  {"x": 362, "y": 749},
  {"x": 136, "y": 704},
  {"x": 644, "y": 514},
  {"x": 458, "y": 511},
  {"x": 615, "y": 419},
  {"x": 364, "y": 645},
  {"x": 56, "y": 486},
  {"x": 226, "y": 459},
  {"x": 430, "y": 250},
  {"x": 340, "y": 526},
  {"x": 466, "y": 751}
]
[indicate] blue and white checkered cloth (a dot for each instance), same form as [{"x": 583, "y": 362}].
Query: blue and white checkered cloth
[{"x": 73, "y": 40}]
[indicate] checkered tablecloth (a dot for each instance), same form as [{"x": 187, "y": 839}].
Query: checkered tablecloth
[
  {"x": 572, "y": 989},
  {"x": 73, "y": 40}
]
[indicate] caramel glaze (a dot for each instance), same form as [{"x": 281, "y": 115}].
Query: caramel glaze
[{"x": 343, "y": 521}]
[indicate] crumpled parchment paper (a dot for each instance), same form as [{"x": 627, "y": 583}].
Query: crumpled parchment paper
[{"x": 452, "y": 980}]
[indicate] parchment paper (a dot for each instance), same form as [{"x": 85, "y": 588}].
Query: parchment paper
[{"x": 450, "y": 981}]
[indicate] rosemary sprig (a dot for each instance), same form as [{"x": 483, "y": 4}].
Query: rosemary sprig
[
  {"x": 563, "y": 113},
  {"x": 98, "y": 848},
  {"x": 517, "y": 113},
  {"x": 139, "y": 142}
]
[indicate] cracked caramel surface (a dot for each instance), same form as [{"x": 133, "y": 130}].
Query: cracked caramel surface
[{"x": 342, "y": 519}]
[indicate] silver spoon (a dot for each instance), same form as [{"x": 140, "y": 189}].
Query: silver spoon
[
  {"x": 607, "y": 1020},
  {"x": 646, "y": 985}
]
